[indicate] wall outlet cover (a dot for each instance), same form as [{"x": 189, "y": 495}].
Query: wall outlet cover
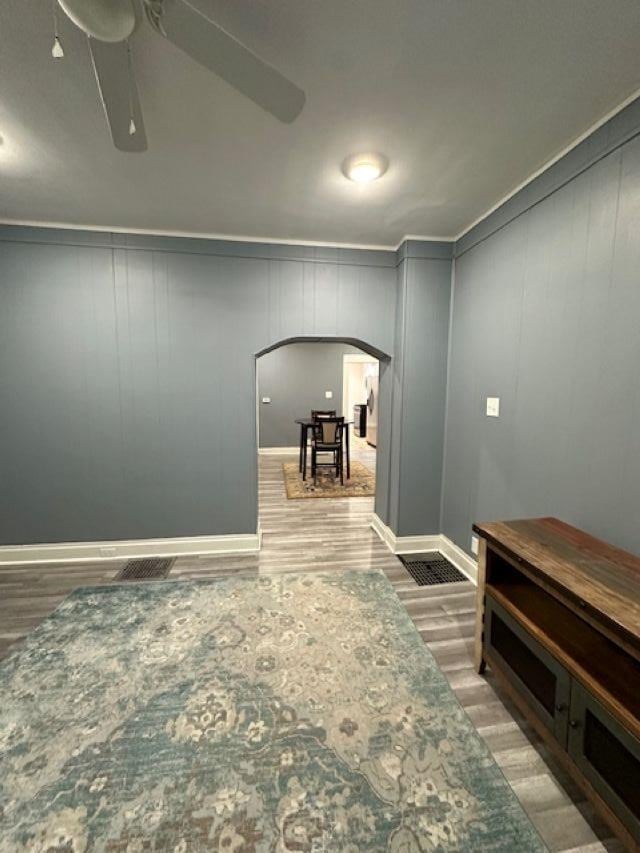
[
  {"x": 328, "y": 395},
  {"x": 475, "y": 544},
  {"x": 493, "y": 407}
]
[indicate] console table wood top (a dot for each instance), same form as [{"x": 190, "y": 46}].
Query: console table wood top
[{"x": 597, "y": 580}]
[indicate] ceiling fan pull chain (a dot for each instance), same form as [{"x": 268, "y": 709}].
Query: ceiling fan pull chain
[
  {"x": 132, "y": 124},
  {"x": 56, "y": 51}
]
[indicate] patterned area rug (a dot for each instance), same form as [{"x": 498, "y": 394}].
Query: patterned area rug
[
  {"x": 289, "y": 713},
  {"x": 362, "y": 483}
]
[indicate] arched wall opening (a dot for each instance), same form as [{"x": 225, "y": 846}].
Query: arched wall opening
[
  {"x": 383, "y": 441},
  {"x": 356, "y": 342},
  {"x": 174, "y": 399}
]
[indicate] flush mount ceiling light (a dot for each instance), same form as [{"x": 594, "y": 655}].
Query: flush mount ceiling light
[{"x": 364, "y": 168}]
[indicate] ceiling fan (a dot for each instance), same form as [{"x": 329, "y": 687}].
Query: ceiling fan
[{"x": 110, "y": 23}]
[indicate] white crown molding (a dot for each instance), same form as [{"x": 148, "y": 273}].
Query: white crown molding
[
  {"x": 425, "y": 238},
  {"x": 202, "y": 235},
  {"x": 232, "y": 238},
  {"x": 549, "y": 163},
  {"x": 428, "y": 542},
  {"x": 124, "y": 549},
  {"x": 376, "y": 247},
  {"x": 278, "y": 451}
]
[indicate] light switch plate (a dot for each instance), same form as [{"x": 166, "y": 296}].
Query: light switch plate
[
  {"x": 493, "y": 407},
  {"x": 474, "y": 544},
  {"x": 328, "y": 395},
  {"x": 266, "y": 399}
]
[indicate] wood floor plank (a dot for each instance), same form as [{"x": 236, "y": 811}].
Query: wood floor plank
[{"x": 312, "y": 535}]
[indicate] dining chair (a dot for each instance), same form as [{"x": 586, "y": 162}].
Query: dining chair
[
  {"x": 327, "y": 438},
  {"x": 316, "y": 414},
  {"x": 306, "y": 436}
]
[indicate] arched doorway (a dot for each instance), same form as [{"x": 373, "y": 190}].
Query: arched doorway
[
  {"x": 378, "y": 454},
  {"x": 356, "y": 342}
]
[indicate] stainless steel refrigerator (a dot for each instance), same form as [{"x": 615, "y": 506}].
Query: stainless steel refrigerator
[{"x": 371, "y": 384}]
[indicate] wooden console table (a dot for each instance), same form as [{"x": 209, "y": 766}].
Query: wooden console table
[{"x": 558, "y": 622}]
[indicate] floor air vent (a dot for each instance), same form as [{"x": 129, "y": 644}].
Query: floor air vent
[
  {"x": 430, "y": 569},
  {"x": 145, "y": 570}
]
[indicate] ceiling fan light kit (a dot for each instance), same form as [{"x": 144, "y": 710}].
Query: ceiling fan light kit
[
  {"x": 109, "y": 24},
  {"x": 105, "y": 20},
  {"x": 364, "y": 168}
]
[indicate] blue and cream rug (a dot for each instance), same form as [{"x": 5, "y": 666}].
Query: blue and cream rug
[{"x": 289, "y": 713}]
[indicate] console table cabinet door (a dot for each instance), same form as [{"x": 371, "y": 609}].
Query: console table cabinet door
[
  {"x": 607, "y": 754},
  {"x": 542, "y": 680}
]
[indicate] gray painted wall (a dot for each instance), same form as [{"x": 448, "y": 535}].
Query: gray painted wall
[
  {"x": 127, "y": 366},
  {"x": 546, "y": 315},
  {"x": 296, "y": 377},
  {"x": 127, "y": 374},
  {"x": 419, "y": 394}
]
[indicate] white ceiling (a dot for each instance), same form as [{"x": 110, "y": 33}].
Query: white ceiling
[{"x": 466, "y": 97}]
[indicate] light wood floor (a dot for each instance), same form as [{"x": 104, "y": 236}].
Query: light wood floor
[{"x": 327, "y": 534}]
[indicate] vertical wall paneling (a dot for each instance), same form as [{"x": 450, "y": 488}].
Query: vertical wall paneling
[
  {"x": 127, "y": 376},
  {"x": 546, "y": 315}
]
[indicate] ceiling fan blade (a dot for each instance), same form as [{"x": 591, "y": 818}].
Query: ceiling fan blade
[
  {"x": 119, "y": 94},
  {"x": 223, "y": 54}
]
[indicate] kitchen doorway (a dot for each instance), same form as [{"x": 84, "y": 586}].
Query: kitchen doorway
[{"x": 360, "y": 393}]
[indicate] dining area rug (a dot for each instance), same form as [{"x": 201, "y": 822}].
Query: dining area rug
[
  {"x": 292, "y": 712},
  {"x": 361, "y": 484}
]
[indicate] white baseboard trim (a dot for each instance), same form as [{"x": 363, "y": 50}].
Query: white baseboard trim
[
  {"x": 278, "y": 451},
  {"x": 385, "y": 533},
  {"x": 125, "y": 549},
  {"x": 404, "y": 544},
  {"x": 430, "y": 542},
  {"x": 460, "y": 559}
]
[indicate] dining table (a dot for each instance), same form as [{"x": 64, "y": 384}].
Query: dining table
[{"x": 305, "y": 425}]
